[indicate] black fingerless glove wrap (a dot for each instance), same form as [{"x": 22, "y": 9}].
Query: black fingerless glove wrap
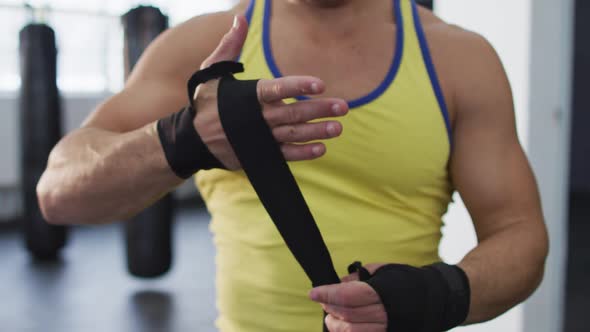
[
  {"x": 432, "y": 298},
  {"x": 185, "y": 151}
]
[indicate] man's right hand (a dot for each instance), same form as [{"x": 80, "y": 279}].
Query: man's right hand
[{"x": 290, "y": 123}]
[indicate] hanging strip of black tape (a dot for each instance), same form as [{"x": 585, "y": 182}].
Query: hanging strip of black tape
[{"x": 262, "y": 160}]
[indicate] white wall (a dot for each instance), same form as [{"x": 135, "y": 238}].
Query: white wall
[
  {"x": 8, "y": 140},
  {"x": 551, "y": 103}
]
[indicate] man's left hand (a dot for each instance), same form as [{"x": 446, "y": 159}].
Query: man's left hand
[{"x": 352, "y": 305}]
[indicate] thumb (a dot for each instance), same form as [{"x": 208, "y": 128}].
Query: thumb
[{"x": 231, "y": 44}]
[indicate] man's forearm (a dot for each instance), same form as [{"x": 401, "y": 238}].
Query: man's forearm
[
  {"x": 504, "y": 270},
  {"x": 97, "y": 176}
]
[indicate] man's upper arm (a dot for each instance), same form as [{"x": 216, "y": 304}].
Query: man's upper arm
[
  {"x": 157, "y": 85},
  {"x": 488, "y": 165}
]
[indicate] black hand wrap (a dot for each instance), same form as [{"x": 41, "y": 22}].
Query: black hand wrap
[
  {"x": 433, "y": 298},
  {"x": 262, "y": 160},
  {"x": 185, "y": 151}
]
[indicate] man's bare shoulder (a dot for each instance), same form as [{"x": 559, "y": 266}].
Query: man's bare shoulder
[
  {"x": 178, "y": 52},
  {"x": 464, "y": 59},
  {"x": 441, "y": 33}
]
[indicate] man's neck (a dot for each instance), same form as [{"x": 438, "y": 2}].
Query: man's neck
[
  {"x": 326, "y": 4},
  {"x": 335, "y": 16}
]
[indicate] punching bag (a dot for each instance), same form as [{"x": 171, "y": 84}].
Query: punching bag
[
  {"x": 148, "y": 235},
  {"x": 427, "y": 3},
  {"x": 40, "y": 131}
]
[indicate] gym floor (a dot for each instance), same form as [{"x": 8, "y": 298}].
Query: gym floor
[{"x": 90, "y": 290}]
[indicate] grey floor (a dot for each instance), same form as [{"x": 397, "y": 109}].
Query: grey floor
[{"x": 90, "y": 289}]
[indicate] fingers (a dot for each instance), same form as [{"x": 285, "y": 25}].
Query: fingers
[
  {"x": 351, "y": 277},
  {"x": 295, "y": 152},
  {"x": 350, "y": 294},
  {"x": 374, "y": 313},
  {"x": 290, "y": 121},
  {"x": 231, "y": 44},
  {"x": 304, "y": 111},
  {"x": 336, "y": 325},
  {"x": 371, "y": 268},
  {"x": 307, "y": 132},
  {"x": 271, "y": 91}
]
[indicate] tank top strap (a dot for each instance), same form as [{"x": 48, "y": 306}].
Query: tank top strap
[{"x": 417, "y": 54}]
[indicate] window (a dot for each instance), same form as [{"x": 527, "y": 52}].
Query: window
[{"x": 89, "y": 38}]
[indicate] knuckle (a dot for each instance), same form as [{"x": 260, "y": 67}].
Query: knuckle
[
  {"x": 224, "y": 42},
  {"x": 346, "y": 314},
  {"x": 287, "y": 152},
  {"x": 337, "y": 297},
  {"x": 344, "y": 297},
  {"x": 291, "y": 132},
  {"x": 265, "y": 91},
  {"x": 277, "y": 89},
  {"x": 292, "y": 115},
  {"x": 301, "y": 88},
  {"x": 272, "y": 119},
  {"x": 260, "y": 90}
]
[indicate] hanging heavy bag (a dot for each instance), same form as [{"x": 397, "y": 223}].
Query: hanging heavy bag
[
  {"x": 427, "y": 3},
  {"x": 40, "y": 131},
  {"x": 148, "y": 236}
]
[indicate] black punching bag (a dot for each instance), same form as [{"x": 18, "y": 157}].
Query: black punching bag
[
  {"x": 427, "y": 3},
  {"x": 40, "y": 130},
  {"x": 148, "y": 235}
]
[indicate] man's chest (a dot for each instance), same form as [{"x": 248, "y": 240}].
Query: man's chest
[{"x": 351, "y": 67}]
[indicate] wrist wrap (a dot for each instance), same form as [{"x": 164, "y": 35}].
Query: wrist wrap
[
  {"x": 185, "y": 151},
  {"x": 433, "y": 298}
]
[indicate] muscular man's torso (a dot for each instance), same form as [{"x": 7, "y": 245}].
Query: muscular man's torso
[
  {"x": 385, "y": 182},
  {"x": 379, "y": 193}
]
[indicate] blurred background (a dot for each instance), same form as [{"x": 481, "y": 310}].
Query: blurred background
[{"x": 105, "y": 279}]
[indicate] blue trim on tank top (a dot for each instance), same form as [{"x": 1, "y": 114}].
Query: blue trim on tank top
[
  {"x": 392, "y": 73},
  {"x": 250, "y": 11},
  {"x": 432, "y": 72},
  {"x": 249, "y": 14}
]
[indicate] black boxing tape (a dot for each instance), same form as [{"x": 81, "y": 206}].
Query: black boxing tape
[
  {"x": 185, "y": 151},
  {"x": 433, "y": 298},
  {"x": 262, "y": 160}
]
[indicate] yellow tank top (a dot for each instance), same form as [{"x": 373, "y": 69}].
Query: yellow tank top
[{"x": 378, "y": 195}]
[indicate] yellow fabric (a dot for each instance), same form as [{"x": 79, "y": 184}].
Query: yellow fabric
[{"x": 378, "y": 196}]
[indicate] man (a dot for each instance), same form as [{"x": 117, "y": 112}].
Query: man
[{"x": 420, "y": 109}]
